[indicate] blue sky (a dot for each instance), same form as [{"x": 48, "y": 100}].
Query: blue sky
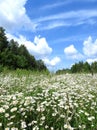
[{"x": 60, "y": 32}]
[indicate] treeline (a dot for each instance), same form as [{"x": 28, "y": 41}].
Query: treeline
[
  {"x": 13, "y": 55},
  {"x": 80, "y": 67}
]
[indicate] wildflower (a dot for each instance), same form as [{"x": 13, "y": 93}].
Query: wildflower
[
  {"x": 7, "y": 128},
  {"x": 9, "y": 124},
  {"x": 62, "y": 116},
  {"x": 83, "y": 126},
  {"x": 6, "y": 115},
  {"x": 23, "y": 113},
  {"x": 53, "y": 114},
  {"x": 14, "y": 97},
  {"x": 34, "y": 122},
  {"x": 13, "y": 109},
  {"x": 79, "y": 126},
  {"x": 2, "y": 110},
  {"x": 91, "y": 118},
  {"x": 52, "y": 128},
  {"x": 21, "y": 109},
  {"x": 6, "y": 107},
  {"x": 87, "y": 114},
  {"x": 43, "y": 118},
  {"x": 67, "y": 126},
  {"x": 23, "y": 124},
  {"x": 15, "y": 102},
  {"x": 92, "y": 125},
  {"x": 0, "y": 124},
  {"x": 36, "y": 128},
  {"x": 66, "y": 107},
  {"x": 46, "y": 127},
  {"x": 29, "y": 124},
  {"x": 12, "y": 117}
]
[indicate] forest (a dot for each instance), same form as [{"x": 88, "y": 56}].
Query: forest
[
  {"x": 80, "y": 67},
  {"x": 14, "y": 56}
]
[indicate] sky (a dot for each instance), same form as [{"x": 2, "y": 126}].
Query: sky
[{"x": 60, "y": 32}]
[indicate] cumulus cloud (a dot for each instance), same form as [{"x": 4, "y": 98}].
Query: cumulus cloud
[
  {"x": 39, "y": 47},
  {"x": 91, "y": 60},
  {"x": 90, "y": 47},
  {"x": 72, "y": 53},
  {"x": 13, "y": 15},
  {"x": 70, "y": 50},
  {"x": 52, "y": 62}
]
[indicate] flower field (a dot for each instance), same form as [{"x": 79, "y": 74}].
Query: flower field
[{"x": 48, "y": 102}]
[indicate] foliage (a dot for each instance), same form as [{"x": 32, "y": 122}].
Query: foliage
[
  {"x": 3, "y": 40},
  {"x": 14, "y": 56},
  {"x": 63, "y": 71},
  {"x": 80, "y": 67}
]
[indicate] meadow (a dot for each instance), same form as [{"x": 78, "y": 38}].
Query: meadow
[{"x": 36, "y": 101}]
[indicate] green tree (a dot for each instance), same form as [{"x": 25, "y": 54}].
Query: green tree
[
  {"x": 30, "y": 58},
  {"x": 23, "y": 51},
  {"x": 86, "y": 67},
  {"x": 74, "y": 68},
  {"x": 21, "y": 62},
  {"x": 3, "y": 40},
  {"x": 94, "y": 67},
  {"x": 8, "y": 59},
  {"x": 13, "y": 47},
  {"x": 41, "y": 66},
  {"x": 31, "y": 62}
]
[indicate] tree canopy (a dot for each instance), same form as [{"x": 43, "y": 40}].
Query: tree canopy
[{"x": 80, "y": 67}]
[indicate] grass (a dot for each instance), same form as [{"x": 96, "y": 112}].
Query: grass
[{"x": 39, "y": 101}]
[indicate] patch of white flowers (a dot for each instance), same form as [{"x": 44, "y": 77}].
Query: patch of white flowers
[{"x": 41, "y": 102}]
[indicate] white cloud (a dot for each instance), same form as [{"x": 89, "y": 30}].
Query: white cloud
[
  {"x": 71, "y": 18},
  {"x": 91, "y": 60},
  {"x": 39, "y": 47},
  {"x": 52, "y": 62},
  {"x": 89, "y": 51},
  {"x": 13, "y": 15},
  {"x": 54, "y": 5},
  {"x": 79, "y": 14},
  {"x": 58, "y": 4},
  {"x": 53, "y": 24},
  {"x": 70, "y": 50},
  {"x": 90, "y": 47},
  {"x": 72, "y": 53}
]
